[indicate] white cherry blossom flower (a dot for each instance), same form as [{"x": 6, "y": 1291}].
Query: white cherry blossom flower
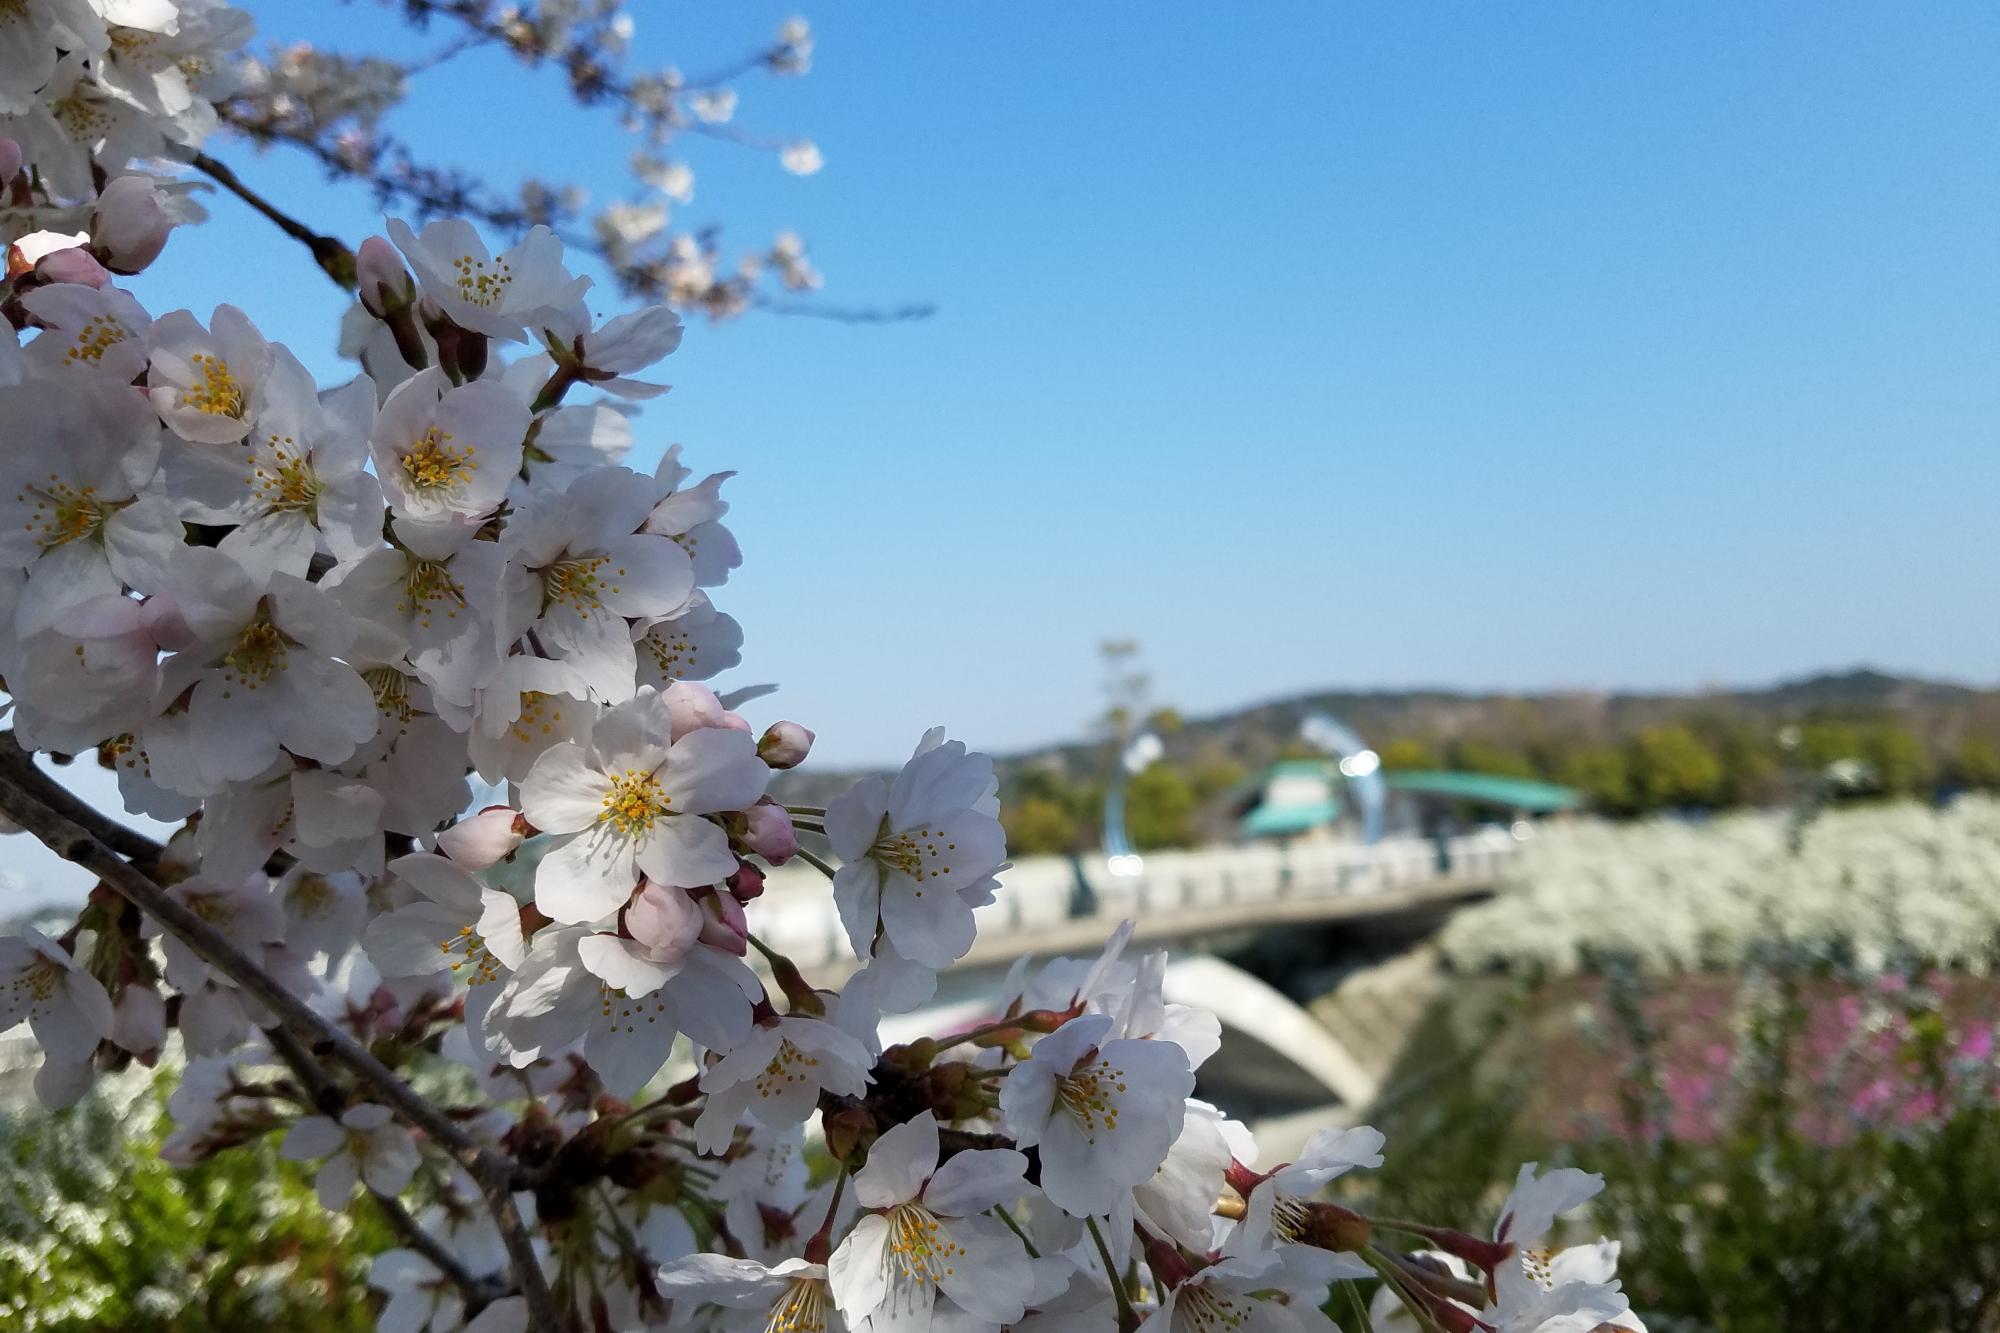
[
  {"x": 42, "y": 985},
  {"x": 924, "y": 1236},
  {"x": 458, "y": 926},
  {"x": 695, "y": 643},
  {"x": 1179, "y": 1200},
  {"x": 692, "y": 516},
  {"x": 557, "y": 996},
  {"x": 604, "y": 356},
  {"x": 527, "y": 706},
  {"x": 242, "y": 909},
  {"x": 86, "y": 680},
  {"x": 907, "y": 847},
  {"x": 1245, "y": 1293},
  {"x": 790, "y": 1296},
  {"x": 324, "y": 913},
  {"x": 1276, "y": 1212},
  {"x": 497, "y": 296},
  {"x": 32, "y": 33},
  {"x": 70, "y": 509},
  {"x": 445, "y": 450},
  {"x": 365, "y": 1144},
  {"x": 632, "y": 799},
  {"x": 295, "y": 485},
  {"x": 93, "y": 332},
  {"x": 432, "y": 592},
  {"x": 579, "y": 571},
  {"x": 176, "y": 70},
  {"x": 1528, "y": 1290},
  {"x": 1103, "y": 1111},
  {"x": 776, "y": 1074},
  {"x": 262, "y": 674},
  {"x": 207, "y": 383}
]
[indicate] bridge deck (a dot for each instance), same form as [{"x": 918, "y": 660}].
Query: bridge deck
[{"x": 1052, "y": 905}]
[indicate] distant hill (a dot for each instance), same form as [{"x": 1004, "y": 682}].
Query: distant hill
[{"x": 1940, "y": 715}]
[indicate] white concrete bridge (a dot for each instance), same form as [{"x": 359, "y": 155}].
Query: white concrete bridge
[{"x": 1052, "y": 905}]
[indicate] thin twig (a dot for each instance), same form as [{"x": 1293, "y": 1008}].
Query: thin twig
[
  {"x": 334, "y": 258},
  {"x": 327, "y": 1097},
  {"x": 494, "y": 1172},
  {"x": 18, "y": 764}
]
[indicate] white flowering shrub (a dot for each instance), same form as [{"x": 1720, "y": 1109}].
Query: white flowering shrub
[
  {"x": 1879, "y": 887},
  {"x": 297, "y": 621}
]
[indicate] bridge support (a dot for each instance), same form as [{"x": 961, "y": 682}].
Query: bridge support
[{"x": 1250, "y": 1007}]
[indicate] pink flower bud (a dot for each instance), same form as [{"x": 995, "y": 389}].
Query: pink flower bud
[
  {"x": 785, "y": 745},
  {"x": 664, "y": 919},
  {"x": 747, "y": 883},
  {"x": 691, "y": 707},
  {"x": 768, "y": 832},
  {"x": 30, "y": 250},
  {"x": 72, "y": 265},
  {"x": 486, "y": 839},
  {"x": 10, "y": 160},
  {"x": 723, "y": 925},
  {"x": 130, "y": 226},
  {"x": 139, "y": 1021},
  {"x": 386, "y": 286}
]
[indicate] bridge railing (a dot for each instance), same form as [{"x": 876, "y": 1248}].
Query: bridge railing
[{"x": 1050, "y": 897}]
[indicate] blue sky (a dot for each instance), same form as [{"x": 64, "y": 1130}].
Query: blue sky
[{"x": 1566, "y": 345}]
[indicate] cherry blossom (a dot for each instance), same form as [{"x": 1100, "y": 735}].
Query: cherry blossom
[
  {"x": 64, "y": 1006},
  {"x": 365, "y": 1144},
  {"x": 908, "y": 848},
  {"x": 924, "y": 1234},
  {"x": 1103, "y": 1111},
  {"x": 634, "y": 798},
  {"x": 498, "y": 296}
]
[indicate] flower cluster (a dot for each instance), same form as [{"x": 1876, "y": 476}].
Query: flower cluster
[
  {"x": 89, "y": 86},
  {"x": 1877, "y": 887},
  {"x": 334, "y": 106},
  {"x": 298, "y": 622}
]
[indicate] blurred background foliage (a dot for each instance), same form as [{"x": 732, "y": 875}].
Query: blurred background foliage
[
  {"x": 1630, "y": 756},
  {"x": 98, "y": 1233},
  {"x": 1795, "y": 1149}
]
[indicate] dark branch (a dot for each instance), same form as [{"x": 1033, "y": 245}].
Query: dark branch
[
  {"x": 334, "y": 258},
  {"x": 494, "y": 1172}
]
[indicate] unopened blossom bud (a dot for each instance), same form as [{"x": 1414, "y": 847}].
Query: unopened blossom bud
[
  {"x": 23, "y": 255},
  {"x": 139, "y": 1021},
  {"x": 849, "y": 1131},
  {"x": 723, "y": 925},
  {"x": 486, "y": 839},
  {"x": 665, "y": 920},
  {"x": 691, "y": 707},
  {"x": 747, "y": 883},
  {"x": 1331, "y": 1227},
  {"x": 130, "y": 225},
  {"x": 386, "y": 285},
  {"x": 785, "y": 745},
  {"x": 769, "y": 833},
  {"x": 74, "y": 264}
]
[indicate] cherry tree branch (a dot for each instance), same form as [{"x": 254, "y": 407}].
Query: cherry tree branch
[
  {"x": 334, "y": 258},
  {"x": 18, "y": 766},
  {"x": 329, "y": 1098},
  {"x": 70, "y": 839}
]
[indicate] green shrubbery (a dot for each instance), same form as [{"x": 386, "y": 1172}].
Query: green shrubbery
[
  {"x": 97, "y": 1233},
  {"x": 1794, "y": 1150}
]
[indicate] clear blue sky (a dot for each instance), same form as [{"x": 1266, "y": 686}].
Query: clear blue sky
[{"x": 1575, "y": 345}]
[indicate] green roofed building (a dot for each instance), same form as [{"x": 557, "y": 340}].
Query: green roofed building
[{"x": 1307, "y": 798}]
